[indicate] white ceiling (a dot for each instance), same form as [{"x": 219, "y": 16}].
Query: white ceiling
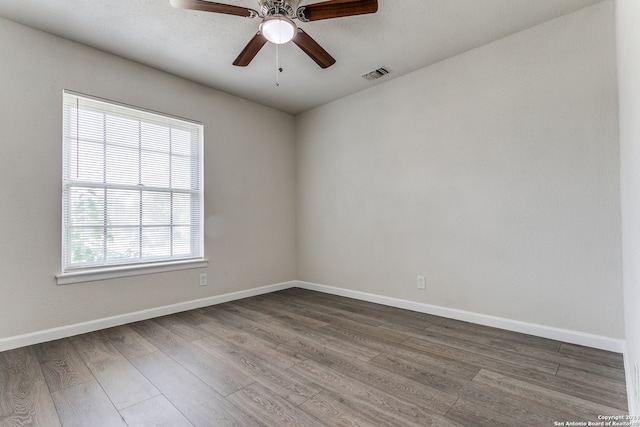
[{"x": 404, "y": 35}]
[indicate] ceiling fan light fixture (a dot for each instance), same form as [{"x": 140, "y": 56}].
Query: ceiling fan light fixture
[{"x": 278, "y": 29}]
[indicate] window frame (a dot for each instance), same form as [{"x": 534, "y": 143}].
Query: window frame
[{"x": 113, "y": 268}]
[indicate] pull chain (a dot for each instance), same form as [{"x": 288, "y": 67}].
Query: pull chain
[{"x": 278, "y": 67}]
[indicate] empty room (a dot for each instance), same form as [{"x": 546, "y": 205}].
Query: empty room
[{"x": 319, "y": 213}]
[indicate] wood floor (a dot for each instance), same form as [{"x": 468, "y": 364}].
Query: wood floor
[{"x": 301, "y": 358}]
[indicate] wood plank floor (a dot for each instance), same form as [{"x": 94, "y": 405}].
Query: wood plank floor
[{"x": 302, "y": 358}]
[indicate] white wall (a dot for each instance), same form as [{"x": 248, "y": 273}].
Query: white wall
[
  {"x": 493, "y": 173},
  {"x": 628, "y": 42},
  {"x": 249, "y": 184}
]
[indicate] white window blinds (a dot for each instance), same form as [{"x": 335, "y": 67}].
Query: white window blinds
[{"x": 132, "y": 186}]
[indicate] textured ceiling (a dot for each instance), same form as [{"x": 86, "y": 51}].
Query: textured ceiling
[{"x": 404, "y": 35}]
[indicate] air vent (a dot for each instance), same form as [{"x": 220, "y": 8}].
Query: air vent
[{"x": 376, "y": 74}]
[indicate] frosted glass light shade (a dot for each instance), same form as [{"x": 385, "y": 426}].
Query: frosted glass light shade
[{"x": 278, "y": 29}]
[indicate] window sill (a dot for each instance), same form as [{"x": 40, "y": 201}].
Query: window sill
[{"x": 127, "y": 271}]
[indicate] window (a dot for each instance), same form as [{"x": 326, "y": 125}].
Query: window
[{"x": 132, "y": 187}]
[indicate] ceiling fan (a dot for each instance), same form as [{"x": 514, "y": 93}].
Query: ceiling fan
[{"x": 277, "y": 22}]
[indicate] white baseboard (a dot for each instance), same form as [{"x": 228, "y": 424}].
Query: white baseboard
[
  {"x": 565, "y": 335},
  {"x": 630, "y": 380},
  {"x": 580, "y": 338},
  {"x": 108, "y": 322}
]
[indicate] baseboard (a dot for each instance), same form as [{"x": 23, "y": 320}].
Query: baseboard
[
  {"x": 108, "y": 322},
  {"x": 580, "y": 338},
  {"x": 565, "y": 335},
  {"x": 630, "y": 381}
]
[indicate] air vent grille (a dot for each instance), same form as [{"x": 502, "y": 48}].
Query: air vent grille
[{"x": 376, "y": 74}]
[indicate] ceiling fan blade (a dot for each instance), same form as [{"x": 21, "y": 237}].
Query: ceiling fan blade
[
  {"x": 208, "y": 6},
  {"x": 313, "y": 49},
  {"x": 336, "y": 9},
  {"x": 250, "y": 50}
]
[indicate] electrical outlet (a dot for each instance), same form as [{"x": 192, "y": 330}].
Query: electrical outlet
[
  {"x": 203, "y": 279},
  {"x": 422, "y": 283}
]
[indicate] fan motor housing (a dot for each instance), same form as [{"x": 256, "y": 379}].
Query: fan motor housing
[{"x": 283, "y": 7}]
